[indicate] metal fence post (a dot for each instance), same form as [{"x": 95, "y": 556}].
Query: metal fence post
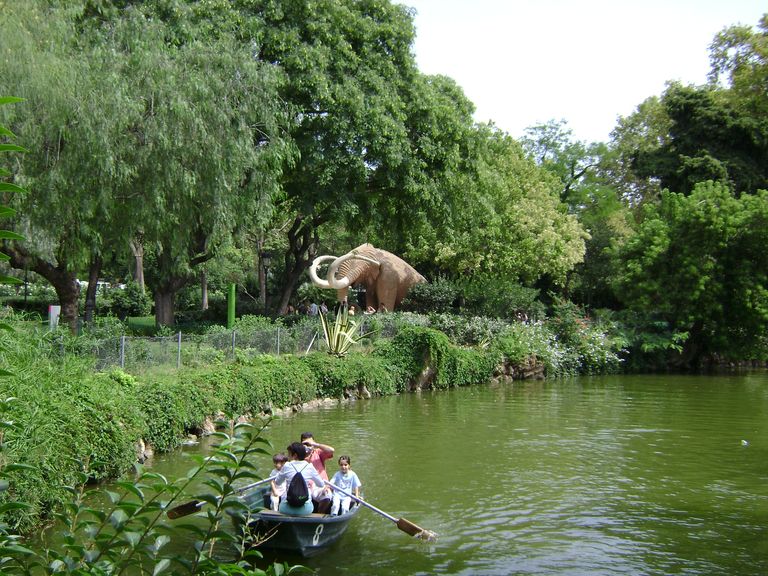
[
  {"x": 234, "y": 336},
  {"x": 178, "y": 353},
  {"x": 122, "y": 352},
  {"x": 310, "y": 344}
]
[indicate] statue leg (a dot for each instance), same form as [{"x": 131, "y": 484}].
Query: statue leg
[{"x": 386, "y": 290}]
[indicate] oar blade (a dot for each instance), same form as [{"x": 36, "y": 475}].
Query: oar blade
[
  {"x": 185, "y": 509},
  {"x": 410, "y": 528}
]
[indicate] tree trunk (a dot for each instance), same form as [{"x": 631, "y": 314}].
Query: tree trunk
[
  {"x": 63, "y": 281},
  {"x": 262, "y": 274},
  {"x": 165, "y": 299},
  {"x": 302, "y": 249},
  {"x": 137, "y": 249},
  {"x": 90, "y": 294},
  {"x": 164, "y": 307},
  {"x": 166, "y": 290},
  {"x": 204, "y": 289}
]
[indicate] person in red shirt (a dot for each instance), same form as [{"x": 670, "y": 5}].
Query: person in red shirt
[{"x": 317, "y": 454}]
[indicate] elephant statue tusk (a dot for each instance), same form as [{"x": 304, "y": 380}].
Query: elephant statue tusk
[
  {"x": 313, "y": 271},
  {"x": 345, "y": 282}
]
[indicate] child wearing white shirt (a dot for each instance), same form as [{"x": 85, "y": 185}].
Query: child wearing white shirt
[
  {"x": 348, "y": 481},
  {"x": 278, "y": 490}
]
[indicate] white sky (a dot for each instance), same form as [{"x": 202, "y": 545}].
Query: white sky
[{"x": 524, "y": 62}]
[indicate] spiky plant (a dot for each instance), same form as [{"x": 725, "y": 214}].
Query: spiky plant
[{"x": 342, "y": 333}]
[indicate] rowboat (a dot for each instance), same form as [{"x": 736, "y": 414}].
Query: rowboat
[{"x": 302, "y": 535}]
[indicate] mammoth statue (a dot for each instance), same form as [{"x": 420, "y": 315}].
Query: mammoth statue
[{"x": 386, "y": 277}]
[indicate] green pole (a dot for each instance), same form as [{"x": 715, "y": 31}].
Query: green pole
[{"x": 231, "y": 306}]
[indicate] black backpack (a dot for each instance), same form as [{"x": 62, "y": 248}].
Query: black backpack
[{"x": 298, "y": 493}]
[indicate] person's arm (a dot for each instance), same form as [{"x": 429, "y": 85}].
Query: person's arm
[
  {"x": 274, "y": 488},
  {"x": 358, "y": 485},
  {"x": 324, "y": 447},
  {"x": 282, "y": 476}
]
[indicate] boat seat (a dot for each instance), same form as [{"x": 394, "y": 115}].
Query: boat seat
[{"x": 274, "y": 513}]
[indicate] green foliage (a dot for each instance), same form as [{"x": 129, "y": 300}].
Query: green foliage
[
  {"x": 439, "y": 295},
  {"x": 710, "y": 138},
  {"x": 416, "y": 349},
  {"x": 342, "y": 333},
  {"x": 467, "y": 330},
  {"x": 66, "y": 415},
  {"x": 588, "y": 347},
  {"x": 651, "y": 342},
  {"x": 127, "y": 535},
  {"x": 738, "y": 56},
  {"x": 698, "y": 262},
  {"x": 267, "y": 382},
  {"x": 8, "y": 188},
  {"x": 170, "y": 408},
  {"x": 500, "y": 297},
  {"x": 337, "y": 377},
  {"x": 505, "y": 219},
  {"x": 129, "y": 301}
]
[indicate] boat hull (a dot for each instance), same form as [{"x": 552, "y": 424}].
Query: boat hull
[{"x": 302, "y": 535}]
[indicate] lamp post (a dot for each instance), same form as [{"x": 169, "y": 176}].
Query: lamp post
[{"x": 266, "y": 260}]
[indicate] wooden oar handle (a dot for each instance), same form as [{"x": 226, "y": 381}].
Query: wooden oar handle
[
  {"x": 259, "y": 483},
  {"x": 363, "y": 502},
  {"x": 193, "y": 506}
]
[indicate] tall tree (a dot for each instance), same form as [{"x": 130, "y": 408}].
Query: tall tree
[
  {"x": 586, "y": 174},
  {"x": 698, "y": 263},
  {"x": 172, "y": 139},
  {"x": 67, "y": 220},
  {"x": 505, "y": 218},
  {"x": 347, "y": 71},
  {"x": 710, "y": 138},
  {"x": 739, "y": 61}
]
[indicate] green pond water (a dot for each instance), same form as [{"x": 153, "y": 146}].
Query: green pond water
[{"x": 609, "y": 475}]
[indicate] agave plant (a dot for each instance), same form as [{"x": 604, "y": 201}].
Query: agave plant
[{"x": 343, "y": 333}]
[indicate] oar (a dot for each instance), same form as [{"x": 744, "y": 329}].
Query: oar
[
  {"x": 405, "y": 525},
  {"x": 194, "y": 505}
]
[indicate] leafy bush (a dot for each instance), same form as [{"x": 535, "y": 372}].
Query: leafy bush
[
  {"x": 497, "y": 297},
  {"x": 65, "y": 415},
  {"x": 440, "y": 295},
  {"x": 466, "y": 367},
  {"x": 588, "y": 347},
  {"x": 467, "y": 330},
  {"x": 267, "y": 382},
  {"x": 336, "y": 375},
  {"x": 129, "y": 301}
]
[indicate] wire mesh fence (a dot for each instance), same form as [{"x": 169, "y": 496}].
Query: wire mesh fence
[
  {"x": 136, "y": 352},
  {"x": 139, "y": 352}
]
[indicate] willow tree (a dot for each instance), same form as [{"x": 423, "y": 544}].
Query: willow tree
[
  {"x": 66, "y": 218},
  {"x": 142, "y": 133},
  {"x": 206, "y": 145}
]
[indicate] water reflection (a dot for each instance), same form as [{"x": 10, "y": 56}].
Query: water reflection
[{"x": 615, "y": 475}]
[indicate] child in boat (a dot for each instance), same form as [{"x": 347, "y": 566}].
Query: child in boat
[
  {"x": 278, "y": 490},
  {"x": 348, "y": 481},
  {"x": 297, "y": 452}
]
